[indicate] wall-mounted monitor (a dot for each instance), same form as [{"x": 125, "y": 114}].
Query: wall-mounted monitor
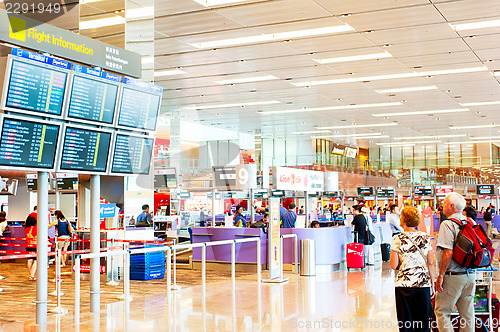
[
  {"x": 35, "y": 84},
  {"x": 365, "y": 191},
  {"x": 132, "y": 154},
  {"x": 385, "y": 191},
  {"x": 225, "y": 177},
  {"x": 67, "y": 181},
  {"x": 139, "y": 105},
  {"x": 278, "y": 193},
  {"x": 423, "y": 191},
  {"x": 28, "y": 144},
  {"x": 444, "y": 190},
  {"x": 85, "y": 150},
  {"x": 485, "y": 189},
  {"x": 165, "y": 178},
  {"x": 93, "y": 96}
]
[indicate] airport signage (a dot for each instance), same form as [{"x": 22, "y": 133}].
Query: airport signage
[{"x": 285, "y": 178}]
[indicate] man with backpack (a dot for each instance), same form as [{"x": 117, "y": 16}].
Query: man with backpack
[{"x": 455, "y": 281}]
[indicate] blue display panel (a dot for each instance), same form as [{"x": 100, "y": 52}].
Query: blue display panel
[
  {"x": 132, "y": 154},
  {"x": 28, "y": 144},
  {"x": 85, "y": 150}
]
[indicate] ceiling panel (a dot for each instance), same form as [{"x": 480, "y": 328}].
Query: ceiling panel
[
  {"x": 330, "y": 43},
  {"x": 339, "y": 7},
  {"x": 469, "y": 9},
  {"x": 439, "y": 59},
  {"x": 412, "y": 35},
  {"x": 256, "y": 51},
  {"x": 430, "y": 47},
  {"x": 165, "y": 46}
]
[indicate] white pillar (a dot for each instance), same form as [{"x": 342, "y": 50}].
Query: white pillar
[
  {"x": 95, "y": 242},
  {"x": 42, "y": 243}
]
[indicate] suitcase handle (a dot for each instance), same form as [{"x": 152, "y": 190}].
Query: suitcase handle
[{"x": 355, "y": 236}]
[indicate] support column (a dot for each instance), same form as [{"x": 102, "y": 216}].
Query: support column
[
  {"x": 306, "y": 208},
  {"x": 42, "y": 244},
  {"x": 213, "y": 207},
  {"x": 95, "y": 242},
  {"x": 250, "y": 206}
]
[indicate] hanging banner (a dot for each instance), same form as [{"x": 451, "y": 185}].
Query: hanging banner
[
  {"x": 274, "y": 239},
  {"x": 285, "y": 178}
]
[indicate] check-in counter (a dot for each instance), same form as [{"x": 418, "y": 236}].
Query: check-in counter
[{"x": 17, "y": 231}]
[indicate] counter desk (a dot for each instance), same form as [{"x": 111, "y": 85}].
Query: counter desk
[
  {"x": 330, "y": 244},
  {"x": 17, "y": 231}
]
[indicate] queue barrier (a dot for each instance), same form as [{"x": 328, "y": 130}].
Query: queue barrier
[{"x": 295, "y": 250}]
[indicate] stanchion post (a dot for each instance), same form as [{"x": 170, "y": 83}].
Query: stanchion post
[
  {"x": 112, "y": 258},
  {"x": 296, "y": 253},
  {"x": 169, "y": 274},
  {"x": 77, "y": 291},
  {"x": 204, "y": 267},
  {"x": 58, "y": 310},
  {"x": 233, "y": 261},
  {"x": 259, "y": 266},
  {"x": 174, "y": 286},
  {"x": 281, "y": 257},
  {"x": 126, "y": 275}
]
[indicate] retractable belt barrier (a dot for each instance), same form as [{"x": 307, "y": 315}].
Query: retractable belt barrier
[
  {"x": 21, "y": 254},
  {"x": 81, "y": 240}
]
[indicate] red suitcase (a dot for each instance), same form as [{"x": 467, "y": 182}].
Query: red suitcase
[{"x": 355, "y": 255}]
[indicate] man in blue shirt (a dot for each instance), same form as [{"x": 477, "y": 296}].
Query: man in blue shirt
[
  {"x": 289, "y": 218},
  {"x": 144, "y": 219}
]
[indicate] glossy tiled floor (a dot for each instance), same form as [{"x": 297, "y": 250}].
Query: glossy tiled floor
[{"x": 339, "y": 301}]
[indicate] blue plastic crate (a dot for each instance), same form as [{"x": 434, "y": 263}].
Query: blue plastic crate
[
  {"x": 148, "y": 274},
  {"x": 144, "y": 267}
]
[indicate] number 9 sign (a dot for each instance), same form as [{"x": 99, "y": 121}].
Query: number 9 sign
[
  {"x": 246, "y": 176},
  {"x": 242, "y": 176}
]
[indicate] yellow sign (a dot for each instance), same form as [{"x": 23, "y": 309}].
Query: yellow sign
[{"x": 17, "y": 28}]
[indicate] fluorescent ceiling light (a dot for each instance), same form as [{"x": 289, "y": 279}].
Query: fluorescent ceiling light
[
  {"x": 393, "y": 76},
  {"x": 476, "y": 142},
  {"x": 101, "y": 22},
  {"x": 476, "y": 25},
  {"x": 485, "y": 137},
  {"x": 408, "y": 143},
  {"x": 333, "y": 108},
  {"x": 168, "y": 72},
  {"x": 84, "y": 1},
  {"x": 355, "y": 136},
  {"x": 144, "y": 12},
  {"x": 210, "y": 3},
  {"x": 422, "y": 112},
  {"x": 355, "y": 58},
  {"x": 147, "y": 59},
  {"x": 207, "y": 107},
  {"x": 432, "y": 136},
  {"x": 274, "y": 36},
  {"x": 395, "y": 144},
  {"x": 496, "y": 73},
  {"x": 248, "y": 79},
  {"x": 484, "y": 103},
  {"x": 475, "y": 126},
  {"x": 362, "y": 126},
  {"x": 410, "y": 89},
  {"x": 311, "y": 132}
]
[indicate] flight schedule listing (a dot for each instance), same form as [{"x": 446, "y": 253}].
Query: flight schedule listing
[
  {"x": 139, "y": 109},
  {"x": 92, "y": 100},
  {"x": 85, "y": 150},
  {"x": 132, "y": 155},
  {"x": 36, "y": 88},
  {"x": 28, "y": 144}
]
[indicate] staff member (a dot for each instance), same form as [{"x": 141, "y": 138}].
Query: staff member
[
  {"x": 239, "y": 220},
  {"x": 289, "y": 218}
]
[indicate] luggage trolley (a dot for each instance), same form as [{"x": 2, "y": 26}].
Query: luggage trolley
[{"x": 483, "y": 308}]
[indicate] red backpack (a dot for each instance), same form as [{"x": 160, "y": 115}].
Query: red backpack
[{"x": 473, "y": 248}]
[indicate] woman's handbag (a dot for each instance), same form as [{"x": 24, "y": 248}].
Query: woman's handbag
[{"x": 30, "y": 239}]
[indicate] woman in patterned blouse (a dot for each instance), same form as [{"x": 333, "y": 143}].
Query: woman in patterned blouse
[{"x": 413, "y": 256}]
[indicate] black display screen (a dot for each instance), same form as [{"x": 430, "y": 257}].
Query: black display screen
[
  {"x": 36, "y": 88},
  {"x": 92, "y": 100},
  {"x": 67, "y": 183},
  {"x": 32, "y": 184},
  {"x": 278, "y": 193},
  {"x": 85, "y": 150},
  {"x": 365, "y": 191},
  {"x": 485, "y": 189},
  {"x": 165, "y": 181},
  {"x": 225, "y": 177},
  {"x": 28, "y": 144},
  {"x": 138, "y": 109},
  {"x": 423, "y": 191},
  {"x": 385, "y": 191},
  {"x": 132, "y": 154}
]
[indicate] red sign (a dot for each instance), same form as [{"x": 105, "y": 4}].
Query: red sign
[
  {"x": 86, "y": 268},
  {"x": 443, "y": 190}
]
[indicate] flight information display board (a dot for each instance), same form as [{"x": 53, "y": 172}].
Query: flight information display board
[
  {"x": 93, "y": 96},
  {"x": 443, "y": 190},
  {"x": 139, "y": 105},
  {"x": 423, "y": 191},
  {"x": 225, "y": 177},
  {"x": 132, "y": 154},
  {"x": 32, "y": 181},
  {"x": 66, "y": 181},
  {"x": 485, "y": 189},
  {"x": 385, "y": 191},
  {"x": 85, "y": 150},
  {"x": 365, "y": 191},
  {"x": 165, "y": 178},
  {"x": 28, "y": 144},
  {"x": 35, "y": 84}
]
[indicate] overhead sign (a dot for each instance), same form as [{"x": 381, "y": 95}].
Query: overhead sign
[
  {"x": 385, "y": 191},
  {"x": 332, "y": 181},
  {"x": 285, "y": 178},
  {"x": 443, "y": 190},
  {"x": 485, "y": 189},
  {"x": 246, "y": 176},
  {"x": 240, "y": 177},
  {"x": 33, "y": 34},
  {"x": 365, "y": 191},
  {"x": 420, "y": 191},
  {"x": 344, "y": 150},
  {"x": 108, "y": 210}
]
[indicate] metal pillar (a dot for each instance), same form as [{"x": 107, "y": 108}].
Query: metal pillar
[
  {"x": 341, "y": 203},
  {"x": 42, "y": 244},
  {"x": 213, "y": 207},
  {"x": 95, "y": 242},
  {"x": 250, "y": 206},
  {"x": 306, "y": 195}
]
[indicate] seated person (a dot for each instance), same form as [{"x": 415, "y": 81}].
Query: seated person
[{"x": 315, "y": 224}]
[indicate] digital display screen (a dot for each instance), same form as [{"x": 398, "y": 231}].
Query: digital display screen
[
  {"x": 444, "y": 190},
  {"x": 36, "y": 88},
  {"x": 85, "y": 150},
  {"x": 225, "y": 177},
  {"x": 278, "y": 193},
  {"x": 485, "y": 189},
  {"x": 385, "y": 191},
  {"x": 32, "y": 184},
  {"x": 165, "y": 178},
  {"x": 138, "y": 109},
  {"x": 365, "y": 191},
  {"x": 423, "y": 191},
  {"x": 92, "y": 100},
  {"x": 132, "y": 154},
  {"x": 28, "y": 144},
  {"x": 67, "y": 183}
]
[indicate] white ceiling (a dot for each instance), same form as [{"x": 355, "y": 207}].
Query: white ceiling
[{"x": 417, "y": 33}]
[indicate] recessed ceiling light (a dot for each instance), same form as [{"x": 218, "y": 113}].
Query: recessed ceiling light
[
  {"x": 355, "y": 58},
  {"x": 142, "y": 12},
  {"x": 362, "y": 126},
  {"x": 409, "y": 89},
  {"x": 171, "y": 72},
  {"x": 476, "y": 25},
  {"x": 407, "y": 143},
  {"x": 333, "y": 108},
  {"x": 485, "y": 137},
  {"x": 430, "y": 136},
  {"x": 248, "y": 79},
  {"x": 215, "y": 106},
  {"x": 101, "y": 22},
  {"x": 422, "y": 112},
  {"x": 492, "y": 125},
  {"x": 275, "y": 36}
]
